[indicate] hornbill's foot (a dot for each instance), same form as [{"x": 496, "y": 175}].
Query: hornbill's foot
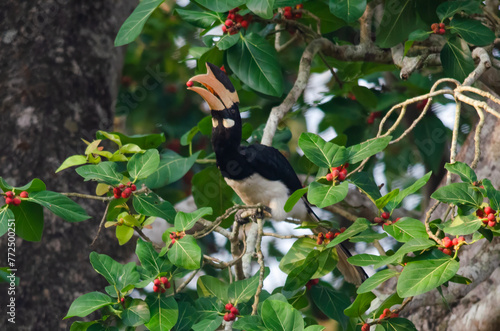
[{"x": 243, "y": 216}]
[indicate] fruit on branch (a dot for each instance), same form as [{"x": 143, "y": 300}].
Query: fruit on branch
[
  {"x": 447, "y": 242},
  {"x": 228, "y": 306},
  {"x": 311, "y": 283},
  {"x": 23, "y": 194},
  {"x": 235, "y": 311},
  {"x": 365, "y": 327},
  {"x": 385, "y": 215}
]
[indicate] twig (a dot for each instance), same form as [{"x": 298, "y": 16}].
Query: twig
[
  {"x": 186, "y": 282},
  {"x": 291, "y": 236},
  {"x": 427, "y": 220},
  {"x": 334, "y": 74},
  {"x": 260, "y": 259},
  {"x": 95, "y": 197},
  {"x": 454, "y": 138},
  {"x": 216, "y": 263},
  {"x": 477, "y": 138},
  {"x": 100, "y": 225}
]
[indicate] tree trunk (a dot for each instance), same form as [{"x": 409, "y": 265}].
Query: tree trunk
[
  {"x": 475, "y": 306},
  {"x": 59, "y": 73}
]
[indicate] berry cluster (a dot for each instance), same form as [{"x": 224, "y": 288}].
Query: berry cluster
[
  {"x": 124, "y": 191},
  {"x": 235, "y": 22},
  {"x": 293, "y": 13},
  {"x": 388, "y": 314},
  {"x": 449, "y": 244},
  {"x": 161, "y": 285},
  {"x": 373, "y": 116},
  {"x": 488, "y": 216},
  {"x": 438, "y": 28},
  {"x": 231, "y": 313},
  {"x": 12, "y": 199},
  {"x": 176, "y": 236},
  {"x": 311, "y": 283},
  {"x": 339, "y": 173},
  {"x": 327, "y": 237},
  {"x": 385, "y": 219}
]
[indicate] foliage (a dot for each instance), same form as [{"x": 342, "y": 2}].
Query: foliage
[{"x": 158, "y": 168}]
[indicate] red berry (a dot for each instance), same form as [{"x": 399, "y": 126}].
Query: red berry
[
  {"x": 9, "y": 194},
  {"x": 116, "y": 190},
  {"x": 133, "y": 187},
  {"x": 490, "y": 223},
  {"x": 342, "y": 176},
  {"x": 235, "y": 311},
  {"x": 164, "y": 280},
  {"x": 124, "y": 195},
  {"x": 440, "y": 248},
  {"x": 488, "y": 210},
  {"x": 447, "y": 251},
  {"x": 16, "y": 201},
  {"x": 173, "y": 241},
  {"x": 233, "y": 31},
  {"x": 23, "y": 194},
  {"x": 189, "y": 84},
  {"x": 387, "y": 312},
  {"x": 491, "y": 217},
  {"x": 117, "y": 196},
  {"x": 394, "y": 315},
  {"x": 329, "y": 235},
  {"x": 442, "y": 31},
  {"x": 156, "y": 281},
  {"x": 288, "y": 9},
  {"x": 299, "y": 6},
  {"x": 455, "y": 241},
  {"x": 460, "y": 239},
  {"x": 156, "y": 289},
  {"x": 386, "y": 215},
  {"x": 230, "y": 17},
  {"x": 244, "y": 24},
  {"x": 231, "y": 316},
  {"x": 365, "y": 327},
  {"x": 441, "y": 25},
  {"x": 370, "y": 120},
  {"x": 447, "y": 242},
  {"x": 378, "y": 220},
  {"x": 224, "y": 29},
  {"x": 329, "y": 176},
  {"x": 228, "y": 23},
  {"x": 485, "y": 220},
  {"x": 121, "y": 186},
  {"x": 335, "y": 173},
  {"x": 226, "y": 317},
  {"x": 122, "y": 300},
  {"x": 342, "y": 230},
  {"x": 480, "y": 213},
  {"x": 238, "y": 18},
  {"x": 297, "y": 15},
  {"x": 382, "y": 316},
  {"x": 167, "y": 285},
  {"x": 228, "y": 306},
  {"x": 346, "y": 165},
  {"x": 288, "y": 15},
  {"x": 337, "y": 234},
  {"x": 434, "y": 26},
  {"x": 162, "y": 290},
  {"x": 8, "y": 201}
]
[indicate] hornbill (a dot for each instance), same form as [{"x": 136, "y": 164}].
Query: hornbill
[{"x": 259, "y": 174}]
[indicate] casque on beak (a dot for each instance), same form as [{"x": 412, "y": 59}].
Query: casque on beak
[{"x": 220, "y": 93}]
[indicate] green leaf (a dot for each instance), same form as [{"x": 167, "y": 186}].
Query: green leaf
[
  {"x": 364, "y": 95},
  {"x": 72, "y": 161},
  {"x": 360, "y": 304},
  {"x": 150, "y": 205},
  {"x": 81, "y": 326},
  {"x": 104, "y": 172},
  {"x": 115, "y": 273},
  {"x": 255, "y": 62},
  {"x": 456, "y": 59},
  {"x": 164, "y": 312},
  {"x": 29, "y": 220},
  {"x": 144, "y": 141},
  {"x": 368, "y": 236},
  {"x": 263, "y": 8},
  {"x": 88, "y": 303},
  {"x": 211, "y": 190},
  {"x": 463, "y": 170},
  {"x": 60, "y": 205},
  {"x": 227, "y": 41},
  {"x": 361, "y": 151},
  {"x": 413, "y": 245},
  {"x": 421, "y": 276},
  {"x": 300, "y": 275},
  {"x": 419, "y": 35},
  {"x": 398, "y": 22},
  {"x": 374, "y": 281},
  {"x": 398, "y": 324},
  {"x": 33, "y": 186},
  {"x": 366, "y": 184},
  {"x": 149, "y": 258},
  {"x": 187, "y": 137},
  {"x": 249, "y": 323},
  {"x": 323, "y": 154},
  {"x": 348, "y": 10},
  {"x": 325, "y": 195},
  {"x": 209, "y": 307},
  {"x": 185, "y": 253},
  {"x": 364, "y": 260},
  {"x": 137, "y": 313},
  {"x": 391, "y": 205},
  {"x": 463, "y": 225},
  {"x": 332, "y": 303},
  {"x": 185, "y": 221},
  {"x": 449, "y": 8},
  {"x": 132, "y": 26},
  {"x": 208, "y": 324},
  {"x": 243, "y": 290},
  {"x": 380, "y": 203},
  {"x": 281, "y": 316},
  {"x": 294, "y": 198},
  {"x": 208, "y": 286},
  {"x": 315, "y": 328},
  {"x": 460, "y": 280},
  {"x": 390, "y": 301},
  {"x": 5, "y": 215},
  {"x": 458, "y": 194},
  {"x": 472, "y": 31},
  {"x": 493, "y": 194},
  {"x": 406, "y": 229},
  {"x": 142, "y": 165},
  {"x": 220, "y": 5},
  {"x": 360, "y": 225},
  {"x": 201, "y": 19},
  {"x": 124, "y": 233}
]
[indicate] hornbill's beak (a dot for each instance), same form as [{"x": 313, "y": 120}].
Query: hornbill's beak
[{"x": 220, "y": 93}]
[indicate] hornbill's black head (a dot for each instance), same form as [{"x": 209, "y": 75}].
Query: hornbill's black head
[{"x": 223, "y": 102}]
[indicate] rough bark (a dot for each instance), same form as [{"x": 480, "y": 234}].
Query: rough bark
[
  {"x": 475, "y": 306},
  {"x": 58, "y": 82}
]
